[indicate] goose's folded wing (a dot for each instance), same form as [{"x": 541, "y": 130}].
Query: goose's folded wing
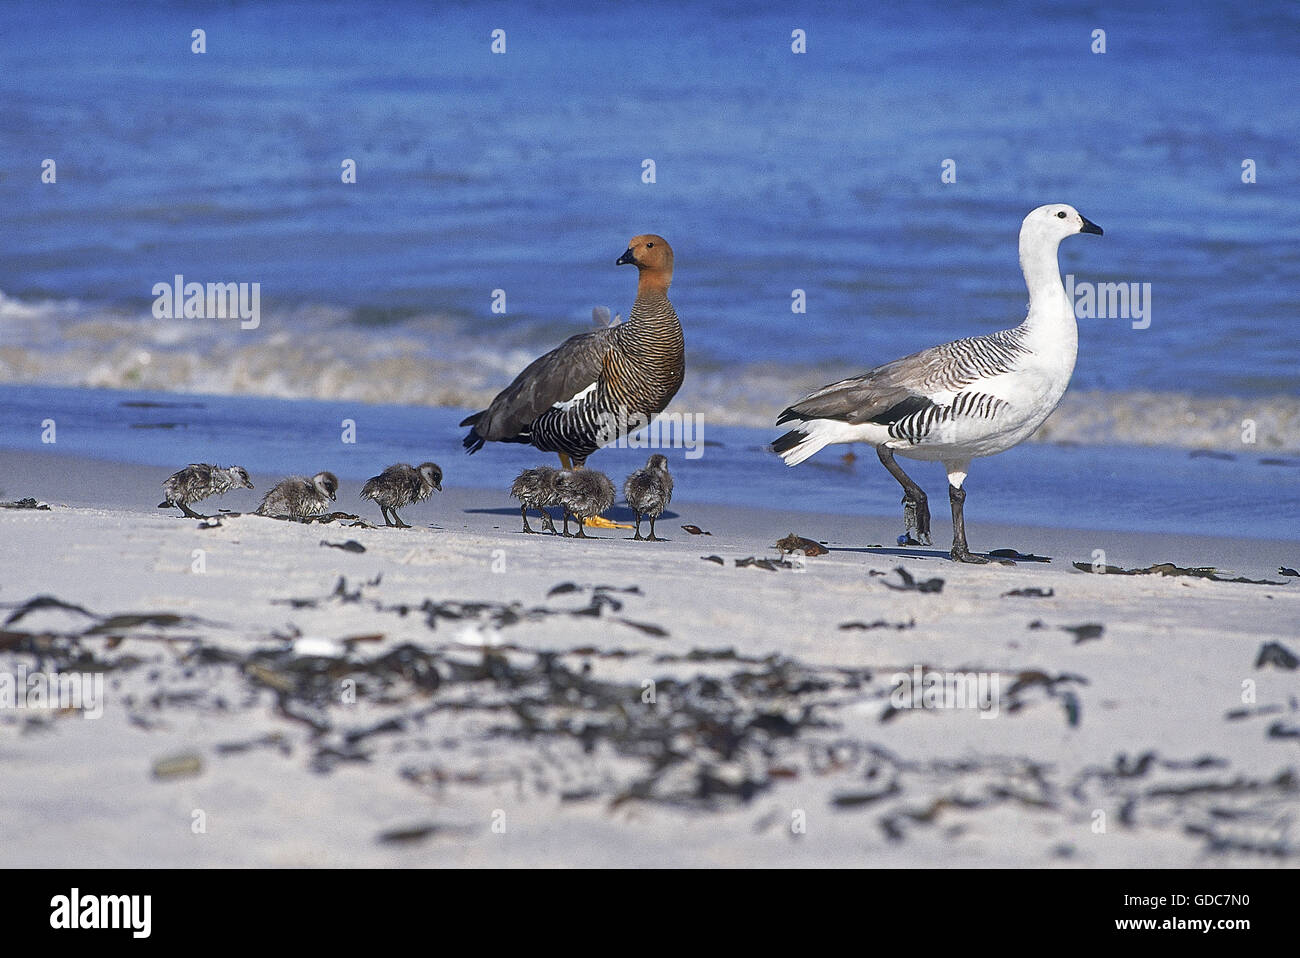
[
  {"x": 883, "y": 395},
  {"x": 904, "y": 386},
  {"x": 555, "y": 378}
]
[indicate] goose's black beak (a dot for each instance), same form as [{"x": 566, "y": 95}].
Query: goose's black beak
[
  {"x": 1089, "y": 226},
  {"x": 625, "y": 259}
]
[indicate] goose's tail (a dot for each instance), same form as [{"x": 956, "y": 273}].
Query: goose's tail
[{"x": 801, "y": 442}]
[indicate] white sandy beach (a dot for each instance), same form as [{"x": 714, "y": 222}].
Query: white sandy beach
[{"x": 770, "y": 741}]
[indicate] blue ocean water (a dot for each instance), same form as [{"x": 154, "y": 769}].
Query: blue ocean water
[
  {"x": 522, "y": 171},
  {"x": 1121, "y": 490}
]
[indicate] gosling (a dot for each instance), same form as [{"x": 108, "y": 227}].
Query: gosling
[
  {"x": 583, "y": 493},
  {"x": 400, "y": 485},
  {"x": 198, "y": 481},
  {"x": 299, "y": 497},
  {"x": 535, "y": 489},
  {"x": 648, "y": 492}
]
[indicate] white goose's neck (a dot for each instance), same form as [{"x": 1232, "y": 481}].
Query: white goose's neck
[
  {"x": 1053, "y": 335},
  {"x": 1050, "y": 311}
]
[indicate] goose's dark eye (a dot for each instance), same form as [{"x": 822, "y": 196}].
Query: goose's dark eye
[
  {"x": 1061, "y": 215},
  {"x": 649, "y": 245}
]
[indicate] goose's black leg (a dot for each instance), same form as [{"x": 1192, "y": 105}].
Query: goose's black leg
[
  {"x": 916, "y": 508},
  {"x": 960, "y": 552},
  {"x": 524, "y": 512},
  {"x": 189, "y": 512},
  {"x": 653, "y": 537},
  {"x": 547, "y": 524},
  {"x": 638, "y": 535}
]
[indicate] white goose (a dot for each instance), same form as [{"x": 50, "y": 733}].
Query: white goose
[{"x": 964, "y": 399}]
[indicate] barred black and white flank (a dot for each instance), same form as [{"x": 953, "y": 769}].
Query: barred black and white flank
[
  {"x": 965, "y": 399},
  {"x": 648, "y": 492},
  {"x": 598, "y": 385},
  {"x": 299, "y": 497},
  {"x": 199, "y": 480},
  {"x": 400, "y": 485},
  {"x": 535, "y": 489},
  {"x": 583, "y": 493}
]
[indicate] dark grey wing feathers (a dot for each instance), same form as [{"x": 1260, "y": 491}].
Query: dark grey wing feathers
[
  {"x": 552, "y": 378},
  {"x": 882, "y": 395}
]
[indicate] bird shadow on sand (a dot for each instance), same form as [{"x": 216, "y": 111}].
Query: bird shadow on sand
[
  {"x": 996, "y": 556},
  {"x": 895, "y": 551},
  {"x": 618, "y": 513}
]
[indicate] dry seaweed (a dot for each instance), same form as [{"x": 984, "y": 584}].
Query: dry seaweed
[
  {"x": 352, "y": 545},
  {"x": 1277, "y": 655},
  {"x": 1017, "y": 556},
  {"x": 1085, "y": 632},
  {"x": 709, "y": 729},
  {"x": 1169, "y": 569},
  {"x": 910, "y": 584},
  {"x": 878, "y": 624}
]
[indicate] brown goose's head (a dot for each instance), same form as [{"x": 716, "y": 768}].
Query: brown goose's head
[{"x": 653, "y": 257}]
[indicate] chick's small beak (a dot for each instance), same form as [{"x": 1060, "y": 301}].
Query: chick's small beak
[
  {"x": 1089, "y": 226},
  {"x": 626, "y": 259}
]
